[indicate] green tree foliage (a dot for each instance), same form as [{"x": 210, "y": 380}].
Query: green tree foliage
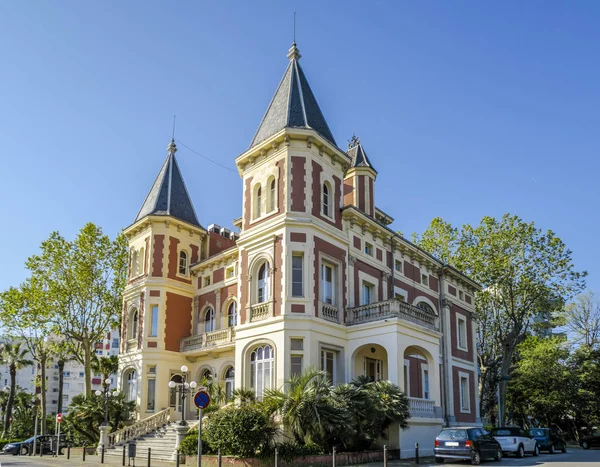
[
  {"x": 525, "y": 272},
  {"x": 83, "y": 282},
  {"x": 15, "y": 357},
  {"x": 240, "y": 431},
  {"x": 582, "y": 320},
  {"x": 86, "y": 414}
]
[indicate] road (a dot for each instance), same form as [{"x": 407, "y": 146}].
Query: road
[{"x": 575, "y": 457}]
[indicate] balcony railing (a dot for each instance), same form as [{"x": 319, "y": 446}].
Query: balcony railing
[
  {"x": 391, "y": 309},
  {"x": 421, "y": 408},
  {"x": 208, "y": 339},
  {"x": 261, "y": 311},
  {"x": 329, "y": 312}
]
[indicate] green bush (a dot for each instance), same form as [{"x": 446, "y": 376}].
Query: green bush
[
  {"x": 4, "y": 442},
  {"x": 290, "y": 450},
  {"x": 238, "y": 431},
  {"x": 189, "y": 445}
]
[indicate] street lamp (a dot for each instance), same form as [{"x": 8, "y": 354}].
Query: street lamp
[
  {"x": 183, "y": 389},
  {"x": 106, "y": 394}
]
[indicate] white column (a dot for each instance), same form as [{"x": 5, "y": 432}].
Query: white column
[
  {"x": 104, "y": 431},
  {"x": 446, "y": 306}
]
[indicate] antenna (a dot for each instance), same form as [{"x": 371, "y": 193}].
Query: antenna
[
  {"x": 294, "y": 27},
  {"x": 173, "y": 137}
]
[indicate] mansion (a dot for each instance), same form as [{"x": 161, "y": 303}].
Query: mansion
[{"x": 315, "y": 278}]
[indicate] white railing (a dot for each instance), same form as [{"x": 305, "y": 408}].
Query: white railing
[
  {"x": 329, "y": 312},
  {"x": 421, "y": 408},
  {"x": 154, "y": 422},
  {"x": 261, "y": 311},
  {"x": 391, "y": 309},
  {"x": 207, "y": 339}
]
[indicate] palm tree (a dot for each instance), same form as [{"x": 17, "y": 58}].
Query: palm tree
[
  {"x": 105, "y": 366},
  {"x": 15, "y": 357}
]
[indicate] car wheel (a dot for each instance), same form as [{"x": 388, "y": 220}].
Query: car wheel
[
  {"x": 585, "y": 445},
  {"x": 439, "y": 460},
  {"x": 24, "y": 450},
  {"x": 498, "y": 457},
  {"x": 564, "y": 449},
  {"x": 475, "y": 458},
  {"x": 536, "y": 451},
  {"x": 553, "y": 449},
  {"x": 521, "y": 452}
]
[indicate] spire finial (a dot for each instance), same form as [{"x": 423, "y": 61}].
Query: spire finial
[
  {"x": 354, "y": 141},
  {"x": 172, "y": 149},
  {"x": 294, "y": 53}
]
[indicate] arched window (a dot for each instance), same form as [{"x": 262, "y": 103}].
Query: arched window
[
  {"x": 326, "y": 207},
  {"x": 133, "y": 324},
  {"x": 209, "y": 320},
  {"x": 131, "y": 385},
  {"x": 174, "y": 400},
  {"x": 229, "y": 382},
  {"x": 141, "y": 261},
  {"x": 261, "y": 369},
  {"x": 272, "y": 195},
  {"x": 206, "y": 376},
  {"x": 231, "y": 315},
  {"x": 257, "y": 202},
  {"x": 134, "y": 264},
  {"x": 426, "y": 307},
  {"x": 183, "y": 263},
  {"x": 263, "y": 283}
]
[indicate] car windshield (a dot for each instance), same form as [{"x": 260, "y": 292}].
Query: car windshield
[
  {"x": 29, "y": 440},
  {"x": 504, "y": 432},
  {"x": 453, "y": 434},
  {"x": 538, "y": 432}
]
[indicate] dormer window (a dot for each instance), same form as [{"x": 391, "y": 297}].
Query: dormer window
[
  {"x": 326, "y": 194},
  {"x": 183, "y": 263}
]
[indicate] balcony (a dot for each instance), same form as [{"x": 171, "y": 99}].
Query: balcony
[
  {"x": 329, "y": 312},
  {"x": 391, "y": 309},
  {"x": 421, "y": 408},
  {"x": 260, "y": 311},
  {"x": 208, "y": 340}
]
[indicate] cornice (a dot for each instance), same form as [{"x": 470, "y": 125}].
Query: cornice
[{"x": 165, "y": 221}]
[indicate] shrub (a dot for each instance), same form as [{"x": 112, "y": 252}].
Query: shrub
[
  {"x": 4, "y": 442},
  {"x": 189, "y": 445},
  {"x": 238, "y": 431},
  {"x": 290, "y": 450}
]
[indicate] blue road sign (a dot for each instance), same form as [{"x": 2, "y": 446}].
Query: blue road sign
[{"x": 201, "y": 399}]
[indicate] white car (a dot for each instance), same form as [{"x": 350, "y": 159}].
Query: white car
[{"x": 515, "y": 440}]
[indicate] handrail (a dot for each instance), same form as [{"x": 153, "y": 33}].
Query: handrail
[
  {"x": 390, "y": 309},
  {"x": 207, "y": 339},
  {"x": 140, "y": 428}
]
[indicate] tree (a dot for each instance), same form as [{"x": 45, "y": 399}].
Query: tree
[
  {"x": 15, "y": 357},
  {"x": 105, "y": 366},
  {"x": 582, "y": 319},
  {"x": 525, "y": 272},
  {"x": 84, "y": 280},
  {"x": 62, "y": 353}
]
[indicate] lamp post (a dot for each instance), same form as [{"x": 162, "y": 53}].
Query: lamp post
[
  {"x": 183, "y": 389},
  {"x": 105, "y": 428}
]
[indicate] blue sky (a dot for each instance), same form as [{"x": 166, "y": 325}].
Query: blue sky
[{"x": 465, "y": 108}]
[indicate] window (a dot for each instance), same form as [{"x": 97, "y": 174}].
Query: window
[
  {"x": 398, "y": 266},
  {"x": 367, "y": 293},
  {"x": 230, "y": 272},
  {"x": 373, "y": 369},
  {"x": 115, "y": 345},
  {"x": 257, "y": 202},
  {"x": 206, "y": 281},
  {"x": 261, "y": 369},
  {"x": 81, "y": 374},
  {"x": 206, "y": 375},
  {"x": 425, "y": 383},
  {"x": 329, "y": 364},
  {"x": 133, "y": 325},
  {"x": 297, "y": 344},
  {"x": 209, "y": 320},
  {"x": 426, "y": 307},
  {"x": 263, "y": 283},
  {"x": 54, "y": 389},
  {"x": 141, "y": 261},
  {"x": 67, "y": 374},
  {"x": 152, "y": 370},
  {"x": 424, "y": 279},
  {"x": 154, "y": 321},
  {"x": 231, "y": 314},
  {"x": 461, "y": 295},
  {"x": 407, "y": 377},
  {"x": 461, "y": 332},
  {"x": 66, "y": 386},
  {"x": 464, "y": 394},
  {"x": 134, "y": 264},
  {"x": 297, "y": 282},
  {"x": 229, "y": 382},
  {"x": 368, "y": 249},
  {"x": 328, "y": 273},
  {"x": 296, "y": 365},
  {"x": 151, "y": 395},
  {"x": 326, "y": 199},
  {"x": 272, "y": 195},
  {"x": 131, "y": 385},
  {"x": 183, "y": 263}
]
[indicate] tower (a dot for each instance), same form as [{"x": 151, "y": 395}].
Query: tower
[{"x": 359, "y": 182}]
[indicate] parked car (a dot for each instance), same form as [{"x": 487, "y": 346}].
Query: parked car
[
  {"x": 45, "y": 442},
  {"x": 472, "y": 443},
  {"x": 590, "y": 441},
  {"x": 549, "y": 439},
  {"x": 515, "y": 440}
]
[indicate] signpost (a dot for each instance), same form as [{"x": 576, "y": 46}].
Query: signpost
[
  {"x": 201, "y": 399},
  {"x": 58, "y": 420}
]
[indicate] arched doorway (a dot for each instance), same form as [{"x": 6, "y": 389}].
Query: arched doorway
[
  {"x": 370, "y": 361},
  {"x": 175, "y": 395}
]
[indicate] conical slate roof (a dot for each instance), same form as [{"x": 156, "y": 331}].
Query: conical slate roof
[
  {"x": 358, "y": 154},
  {"x": 293, "y": 106},
  {"x": 168, "y": 195}
]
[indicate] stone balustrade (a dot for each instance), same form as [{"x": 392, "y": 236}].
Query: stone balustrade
[
  {"x": 139, "y": 428},
  {"x": 329, "y": 312},
  {"x": 261, "y": 311},
  {"x": 421, "y": 408},
  {"x": 208, "y": 339},
  {"x": 391, "y": 309}
]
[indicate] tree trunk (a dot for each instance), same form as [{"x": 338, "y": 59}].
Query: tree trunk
[
  {"x": 11, "y": 399},
  {"x": 61, "y": 379},
  {"x": 87, "y": 366},
  {"x": 43, "y": 393},
  {"x": 504, "y": 373},
  {"x": 482, "y": 385}
]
